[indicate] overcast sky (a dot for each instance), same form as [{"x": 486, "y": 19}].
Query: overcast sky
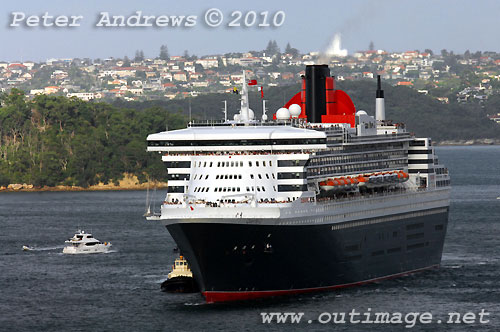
[{"x": 393, "y": 25}]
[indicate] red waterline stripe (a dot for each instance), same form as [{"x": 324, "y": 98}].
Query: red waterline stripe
[{"x": 214, "y": 296}]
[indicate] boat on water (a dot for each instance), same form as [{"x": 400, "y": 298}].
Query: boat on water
[
  {"x": 28, "y": 248},
  {"x": 180, "y": 280},
  {"x": 320, "y": 197},
  {"x": 85, "y": 243}
]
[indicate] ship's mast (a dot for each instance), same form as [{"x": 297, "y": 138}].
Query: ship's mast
[
  {"x": 244, "y": 110},
  {"x": 224, "y": 110}
]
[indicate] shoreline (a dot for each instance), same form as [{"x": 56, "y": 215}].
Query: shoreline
[
  {"x": 129, "y": 182},
  {"x": 76, "y": 189}
]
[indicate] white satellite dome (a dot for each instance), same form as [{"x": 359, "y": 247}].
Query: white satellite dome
[
  {"x": 251, "y": 114},
  {"x": 358, "y": 113},
  {"x": 295, "y": 110},
  {"x": 264, "y": 117},
  {"x": 236, "y": 117},
  {"x": 283, "y": 114}
]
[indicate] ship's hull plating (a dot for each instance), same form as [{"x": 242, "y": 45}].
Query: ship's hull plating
[{"x": 243, "y": 261}]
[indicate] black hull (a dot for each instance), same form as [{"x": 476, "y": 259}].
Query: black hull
[
  {"x": 180, "y": 285},
  {"x": 241, "y": 261}
]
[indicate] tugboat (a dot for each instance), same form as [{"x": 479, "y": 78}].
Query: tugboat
[
  {"x": 180, "y": 280},
  {"x": 85, "y": 243}
]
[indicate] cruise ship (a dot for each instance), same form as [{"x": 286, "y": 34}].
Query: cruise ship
[{"x": 318, "y": 197}]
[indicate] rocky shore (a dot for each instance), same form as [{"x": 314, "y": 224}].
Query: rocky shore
[{"x": 129, "y": 182}]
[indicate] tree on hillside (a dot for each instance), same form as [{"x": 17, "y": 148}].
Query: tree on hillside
[
  {"x": 292, "y": 51},
  {"x": 139, "y": 55},
  {"x": 272, "y": 48},
  {"x": 126, "y": 61},
  {"x": 164, "y": 52}
]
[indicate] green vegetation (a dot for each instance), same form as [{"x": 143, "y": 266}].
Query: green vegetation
[
  {"x": 52, "y": 141},
  {"x": 55, "y": 140}
]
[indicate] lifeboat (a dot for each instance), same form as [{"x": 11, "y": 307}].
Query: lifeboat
[
  {"x": 387, "y": 177},
  {"x": 326, "y": 185},
  {"x": 335, "y": 184},
  {"x": 400, "y": 176},
  {"x": 373, "y": 179},
  {"x": 362, "y": 181},
  {"x": 349, "y": 183},
  {"x": 342, "y": 184},
  {"x": 354, "y": 181},
  {"x": 406, "y": 176},
  {"x": 394, "y": 177}
]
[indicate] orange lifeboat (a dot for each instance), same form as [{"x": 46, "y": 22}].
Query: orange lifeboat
[
  {"x": 362, "y": 181},
  {"x": 406, "y": 176},
  {"x": 326, "y": 185},
  {"x": 342, "y": 183}
]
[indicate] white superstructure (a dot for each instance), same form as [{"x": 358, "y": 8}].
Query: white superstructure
[
  {"x": 85, "y": 243},
  {"x": 249, "y": 171}
]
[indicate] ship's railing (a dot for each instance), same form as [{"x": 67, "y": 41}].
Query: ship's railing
[
  {"x": 293, "y": 123},
  {"x": 378, "y": 138},
  {"x": 336, "y": 199},
  {"x": 228, "y": 153},
  {"x": 222, "y": 123},
  {"x": 228, "y": 202}
]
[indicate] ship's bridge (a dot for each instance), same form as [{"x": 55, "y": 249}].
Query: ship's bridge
[
  {"x": 236, "y": 163},
  {"x": 237, "y": 138}
]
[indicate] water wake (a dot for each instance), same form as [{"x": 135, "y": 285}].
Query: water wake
[{"x": 43, "y": 248}]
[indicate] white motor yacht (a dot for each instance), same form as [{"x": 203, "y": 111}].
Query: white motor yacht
[{"x": 85, "y": 243}]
